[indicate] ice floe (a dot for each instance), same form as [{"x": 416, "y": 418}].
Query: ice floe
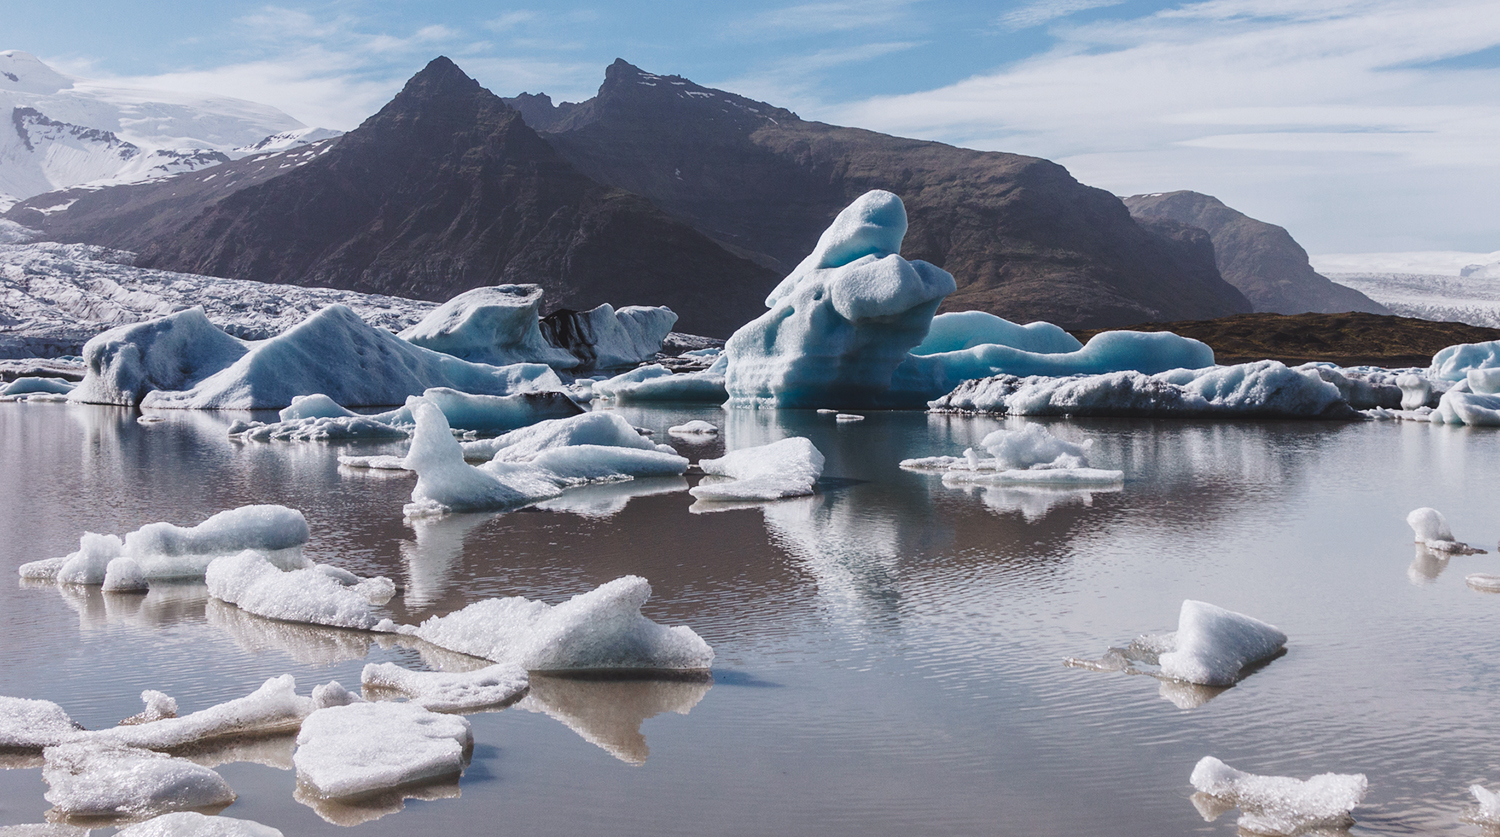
[
  {"x": 788, "y": 468},
  {"x": 446, "y": 483},
  {"x": 1432, "y": 531},
  {"x": 696, "y": 429},
  {"x": 177, "y": 351},
  {"x": 163, "y": 551},
  {"x": 597, "y": 630},
  {"x": 1264, "y": 389},
  {"x": 33, "y": 385},
  {"x": 657, "y": 383},
  {"x": 193, "y": 824},
  {"x": 603, "y": 429},
  {"x": 1028, "y": 456},
  {"x": 109, "y": 779},
  {"x": 444, "y": 691},
  {"x": 603, "y": 337},
  {"x": 1277, "y": 805},
  {"x": 1211, "y": 647},
  {"x": 318, "y": 595},
  {"x": 32, "y": 724},
  {"x": 365, "y": 748}
]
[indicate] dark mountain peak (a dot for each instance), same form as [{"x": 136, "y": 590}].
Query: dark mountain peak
[
  {"x": 440, "y": 111},
  {"x": 439, "y": 78},
  {"x": 620, "y": 67}
]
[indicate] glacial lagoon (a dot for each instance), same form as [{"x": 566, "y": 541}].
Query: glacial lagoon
[{"x": 889, "y": 651}]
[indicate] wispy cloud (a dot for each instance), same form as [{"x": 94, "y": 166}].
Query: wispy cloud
[
  {"x": 1291, "y": 107},
  {"x": 1046, "y": 11},
  {"x": 811, "y": 19},
  {"x": 793, "y": 81}
]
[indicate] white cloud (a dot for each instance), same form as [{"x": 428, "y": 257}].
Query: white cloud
[
  {"x": 821, "y": 18},
  {"x": 791, "y": 82},
  {"x": 1046, "y": 11},
  {"x": 1313, "y": 112}
]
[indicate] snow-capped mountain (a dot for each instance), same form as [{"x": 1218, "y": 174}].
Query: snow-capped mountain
[{"x": 67, "y": 131}]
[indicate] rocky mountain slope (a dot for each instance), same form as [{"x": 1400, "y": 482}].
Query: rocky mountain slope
[
  {"x": 1260, "y": 259},
  {"x": 1022, "y": 237},
  {"x": 446, "y": 189}
]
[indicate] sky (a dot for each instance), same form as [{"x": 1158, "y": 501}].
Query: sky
[{"x": 1359, "y": 125}]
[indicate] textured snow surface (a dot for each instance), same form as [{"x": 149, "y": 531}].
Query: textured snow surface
[
  {"x": 1265, "y": 389},
  {"x": 318, "y": 595},
  {"x": 1212, "y": 644},
  {"x": 362, "y": 748},
  {"x": 497, "y": 325},
  {"x": 32, "y": 724},
  {"x": 101, "y": 778},
  {"x": 193, "y": 824},
  {"x": 1281, "y": 805},
  {"x": 159, "y": 551},
  {"x": 55, "y": 297},
  {"x": 335, "y": 353},
  {"x": 843, "y": 320},
  {"x": 443, "y": 691},
  {"x": 788, "y": 468},
  {"x": 598, "y": 630}
]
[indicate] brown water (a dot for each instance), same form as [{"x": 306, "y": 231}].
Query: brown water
[{"x": 889, "y": 651}]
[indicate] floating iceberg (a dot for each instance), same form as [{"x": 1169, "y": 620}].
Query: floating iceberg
[
  {"x": 335, "y": 353},
  {"x": 1278, "y": 805},
  {"x": 162, "y": 551},
  {"x": 317, "y": 595},
  {"x": 1212, "y": 645},
  {"x": 159, "y": 706},
  {"x": 170, "y": 353},
  {"x": 543, "y": 400},
  {"x": 1264, "y": 389},
  {"x": 961, "y": 330},
  {"x": 33, "y": 724},
  {"x": 1432, "y": 531},
  {"x": 193, "y": 824},
  {"x": 788, "y": 468},
  {"x": 1455, "y": 362},
  {"x": 599, "y": 630},
  {"x": 442, "y": 691},
  {"x": 697, "y": 429},
  {"x": 1487, "y": 811},
  {"x": 496, "y": 325},
  {"x": 108, "y": 779},
  {"x": 446, "y": 483},
  {"x": 843, "y": 320},
  {"x": 656, "y": 383},
  {"x": 1471, "y": 408},
  {"x": 32, "y": 385},
  {"x": 364, "y": 748},
  {"x": 602, "y": 337},
  {"x": 599, "y": 428},
  {"x": 273, "y": 708},
  {"x": 1029, "y": 456}
]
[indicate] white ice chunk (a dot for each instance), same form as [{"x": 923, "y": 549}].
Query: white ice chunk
[
  {"x": 193, "y": 824},
  {"x": 693, "y": 429},
  {"x": 316, "y": 405},
  {"x": 274, "y": 707},
  {"x": 502, "y": 413},
  {"x": 159, "y": 705},
  {"x": 1028, "y": 456},
  {"x": 363, "y": 748},
  {"x": 788, "y": 468},
  {"x": 1213, "y": 644},
  {"x": 961, "y": 330},
  {"x": 336, "y": 353},
  {"x": 496, "y": 325},
  {"x": 320, "y": 595},
  {"x": 1473, "y": 409},
  {"x": 601, "y": 629},
  {"x": 1483, "y": 381},
  {"x": 1454, "y": 362},
  {"x": 317, "y": 429},
  {"x": 1416, "y": 390},
  {"x": 170, "y": 353},
  {"x": 1483, "y": 582},
  {"x": 1431, "y": 528},
  {"x": 445, "y": 482},
  {"x": 32, "y": 724},
  {"x": 1034, "y": 446},
  {"x": 1488, "y": 810},
  {"x": 28, "y": 386},
  {"x": 576, "y": 464},
  {"x": 602, "y": 428},
  {"x": 848, "y": 417},
  {"x": 443, "y": 691},
  {"x": 1281, "y": 805},
  {"x": 101, "y": 779}
]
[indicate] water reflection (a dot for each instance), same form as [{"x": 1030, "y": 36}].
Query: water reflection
[
  {"x": 1427, "y": 565},
  {"x": 312, "y": 645},
  {"x": 608, "y": 711},
  {"x": 350, "y": 812},
  {"x": 436, "y": 554},
  {"x": 1034, "y": 502},
  {"x": 163, "y": 605},
  {"x": 609, "y": 499},
  {"x": 269, "y": 750}
]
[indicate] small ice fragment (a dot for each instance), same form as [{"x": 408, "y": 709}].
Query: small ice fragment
[
  {"x": 274, "y": 707},
  {"x": 1483, "y": 582},
  {"x": 446, "y": 483},
  {"x": 32, "y": 724},
  {"x": 384, "y": 462},
  {"x": 827, "y": 412},
  {"x": 103, "y": 778},
  {"x": 318, "y": 595},
  {"x": 1214, "y": 644},
  {"x": 442, "y": 691},
  {"x": 848, "y": 417},
  {"x": 696, "y": 427},
  {"x": 788, "y": 468},
  {"x": 1432, "y": 531},
  {"x": 1280, "y": 805},
  {"x": 333, "y": 693},
  {"x": 193, "y": 824},
  {"x": 158, "y": 706},
  {"x": 363, "y": 748},
  {"x": 1488, "y": 812},
  {"x": 601, "y": 629}
]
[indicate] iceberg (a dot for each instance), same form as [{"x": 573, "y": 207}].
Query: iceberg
[
  {"x": 657, "y": 383},
  {"x": 1264, "y": 389},
  {"x": 193, "y": 824},
  {"x": 108, "y": 779},
  {"x": 446, "y": 483},
  {"x": 1278, "y": 805},
  {"x": 502, "y": 413},
  {"x": 599, "y": 630},
  {"x": 695, "y": 430},
  {"x": 317, "y": 595},
  {"x": 1455, "y": 362},
  {"x": 1432, "y": 531},
  {"x": 602, "y": 337},
  {"x": 1471, "y": 408},
  {"x": 788, "y": 468},
  {"x": 961, "y": 330},
  {"x": 597, "y": 428},
  {"x": 442, "y": 691},
  {"x": 177, "y": 351},
  {"x": 1416, "y": 391},
  {"x": 335, "y": 353},
  {"x": 364, "y": 748},
  {"x": 34, "y": 385},
  {"x": 1212, "y": 645},
  {"x": 496, "y": 325},
  {"x": 162, "y": 551}
]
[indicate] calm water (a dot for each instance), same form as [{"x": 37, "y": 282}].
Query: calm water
[{"x": 889, "y": 651}]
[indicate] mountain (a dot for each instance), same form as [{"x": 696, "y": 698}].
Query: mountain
[
  {"x": 65, "y": 131},
  {"x": 447, "y": 189},
  {"x": 1260, "y": 259},
  {"x": 1022, "y": 237}
]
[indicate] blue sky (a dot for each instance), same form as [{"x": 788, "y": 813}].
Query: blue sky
[{"x": 1360, "y": 125}]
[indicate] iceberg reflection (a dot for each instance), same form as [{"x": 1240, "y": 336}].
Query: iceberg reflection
[{"x": 608, "y": 711}]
